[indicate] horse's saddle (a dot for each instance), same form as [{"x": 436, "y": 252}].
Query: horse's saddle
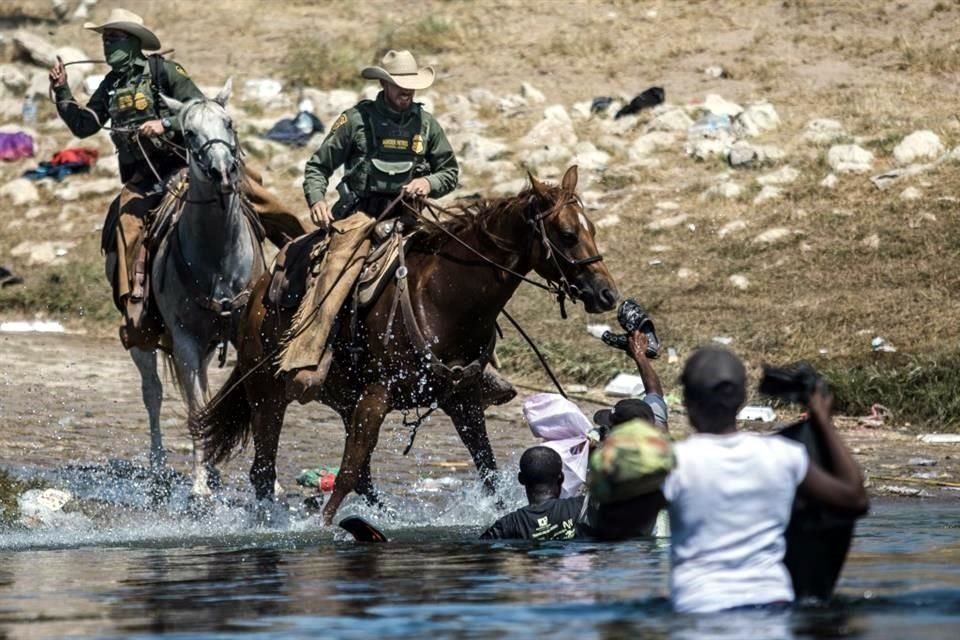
[{"x": 299, "y": 263}]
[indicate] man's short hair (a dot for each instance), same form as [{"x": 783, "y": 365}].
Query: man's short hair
[
  {"x": 539, "y": 466},
  {"x": 625, "y": 411},
  {"x": 715, "y": 377}
]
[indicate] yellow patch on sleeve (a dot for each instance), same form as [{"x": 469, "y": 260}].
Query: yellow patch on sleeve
[
  {"x": 182, "y": 71},
  {"x": 339, "y": 122}
]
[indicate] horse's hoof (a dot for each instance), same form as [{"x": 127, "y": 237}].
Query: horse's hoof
[
  {"x": 199, "y": 506},
  {"x": 214, "y": 483}
]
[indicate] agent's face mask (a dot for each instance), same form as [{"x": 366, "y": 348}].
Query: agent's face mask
[{"x": 120, "y": 52}]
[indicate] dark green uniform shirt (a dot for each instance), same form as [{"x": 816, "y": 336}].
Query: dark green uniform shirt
[
  {"x": 413, "y": 134},
  {"x": 127, "y": 99}
]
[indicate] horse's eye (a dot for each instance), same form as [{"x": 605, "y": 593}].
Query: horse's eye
[{"x": 569, "y": 238}]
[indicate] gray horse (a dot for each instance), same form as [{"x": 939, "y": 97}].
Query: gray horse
[{"x": 202, "y": 270}]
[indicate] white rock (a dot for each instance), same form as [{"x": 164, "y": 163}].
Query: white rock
[
  {"x": 911, "y": 193},
  {"x": 581, "y": 110},
  {"x": 648, "y": 143},
  {"x": 589, "y": 158},
  {"x": 35, "y": 48},
  {"x": 610, "y": 220},
  {"x": 784, "y": 175},
  {"x": 720, "y": 106},
  {"x": 704, "y": 148},
  {"x": 671, "y": 119},
  {"x": 763, "y": 116},
  {"x": 732, "y": 227},
  {"x": 511, "y": 104},
  {"x": 262, "y": 90},
  {"x": 829, "y": 182},
  {"x": 43, "y": 252},
  {"x": 67, "y": 193},
  {"x": 480, "y": 148},
  {"x": 532, "y": 94},
  {"x": 667, "y": 205},
  {"x": 510, "y": 187},
  {"x": 96, "y": 187},
  {"x": 667, "y": 223},
  {"x": 556, "y": 128},
  {"x": 872, "y": 241},
  {"x": 728, "y": 190},
  {"x": 684, "y": 273},
  {"x": 482, "y": 97},
  {"x": 823, "y": 131},
  {"x": 108, "y": 165},
  {"x": 20, "y": 191},
  {"x": 10, "y": 108},
  {"x": 13, "y": 79},
  {"x": 919, "y": 145},
  {"x": 774, "y": 235},
  {"x": 849, "y": 158},
  {"x": 39, "y": 86},
  {"x": 742, "y": 154},
  {"x": 713, "y": 71},
  {"x": 739, "y": 282},
  {"x": 547, "y": 155},
  {"x": 767, "y": 193}
]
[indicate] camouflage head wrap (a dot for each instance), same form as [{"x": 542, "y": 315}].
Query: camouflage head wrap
[{"x": 634, "y": 460}]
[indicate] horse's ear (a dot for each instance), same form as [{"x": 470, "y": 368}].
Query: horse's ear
[
  {"x": 538, "y": 187},
  {"x": 569, "y": 181},
  {"x": 224, "y": 94},
  {"x": 174, "y": 104}
]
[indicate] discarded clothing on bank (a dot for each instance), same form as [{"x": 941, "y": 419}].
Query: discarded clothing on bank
[
  {"x": 8, "y": 278},
  {"x": 64, "y": 163},
  {"x": 15, "y": 146},
  {"x": 649, "y": 98},
  {"x": 296, "y": 131}
]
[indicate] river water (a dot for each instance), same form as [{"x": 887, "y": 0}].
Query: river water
[{"x": 115, "y": 565}]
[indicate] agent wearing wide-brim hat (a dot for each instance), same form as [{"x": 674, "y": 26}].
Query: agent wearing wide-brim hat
[
  {"x": 386, "y": 146},
  {"x": 129, "y": 99}
]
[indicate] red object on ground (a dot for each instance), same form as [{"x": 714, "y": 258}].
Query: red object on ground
[
  {"x": 75, "y": 154},
  {"x": 327, "y": 481}
]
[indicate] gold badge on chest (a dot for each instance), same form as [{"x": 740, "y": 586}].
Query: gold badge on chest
[
  {"x": 417, "y": 145},
  {"x": 140, "y": 102}
]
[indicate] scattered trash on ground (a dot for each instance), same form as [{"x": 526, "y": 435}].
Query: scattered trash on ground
[
  {"x": 879, "y": 415},
  {"x": 647, "y": 99},
  {"x": 31, "y": 326},
  {"x": 8, "y": 278},
  {"x": 940, "y": 438},
  {"x": 724, "y": 340},
  {"x": 922, "y": 462},
  {"x": 15, "y": 146},
  {"x": 625, "y": 385},
  {"x": 597, "y": 330},
  {"x": 298, "y": 130},
  {"x": 322, "y": 478},
  {"x": 754, "y": 413},
  {"x": 64, "y": 163},
  {"x": 880, "y": 345}
]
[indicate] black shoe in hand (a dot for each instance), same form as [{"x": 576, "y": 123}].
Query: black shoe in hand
[{"x": 632, "y": 318}]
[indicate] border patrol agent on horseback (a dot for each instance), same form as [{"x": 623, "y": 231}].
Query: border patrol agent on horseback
[
  {"x": 129, "y": 97},
  {"x": 387, "y": 146},
  {"x": 142, "y": 128}
]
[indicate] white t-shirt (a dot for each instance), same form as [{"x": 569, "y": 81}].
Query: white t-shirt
[{"x": 730, "y": 501}]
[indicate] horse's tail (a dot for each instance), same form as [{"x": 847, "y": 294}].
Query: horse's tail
[{"x": 224, "y": 423}]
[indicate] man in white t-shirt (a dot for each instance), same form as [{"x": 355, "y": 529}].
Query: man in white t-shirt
[{"x": 731, "y": 494}]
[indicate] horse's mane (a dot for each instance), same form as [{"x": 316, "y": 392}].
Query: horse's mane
[{"x": 483, "y": 215}]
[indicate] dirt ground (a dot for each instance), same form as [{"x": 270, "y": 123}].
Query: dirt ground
[{"x": 75, "y": 399}]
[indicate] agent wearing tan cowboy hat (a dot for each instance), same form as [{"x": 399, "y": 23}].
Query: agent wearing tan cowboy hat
[
  {"x": 130, "y": 99},
  {"x": 387, "y": 146}
]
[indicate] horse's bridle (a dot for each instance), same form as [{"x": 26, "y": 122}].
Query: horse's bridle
[
  {"x": 199, "y": 154},
  {"x": 564, "y": 288}
]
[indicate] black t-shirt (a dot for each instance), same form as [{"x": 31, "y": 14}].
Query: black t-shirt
[{"x": 559, "y": 519}]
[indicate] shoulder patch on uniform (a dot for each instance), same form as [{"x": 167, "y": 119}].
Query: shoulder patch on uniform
[
  {"x": 339, "y": 122},
  {"x": 181, "y": 70}
]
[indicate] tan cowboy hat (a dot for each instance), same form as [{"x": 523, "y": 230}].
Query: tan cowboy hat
[
  {"x": 400, "y": 68},
  {"x": 128, "y": 22}
]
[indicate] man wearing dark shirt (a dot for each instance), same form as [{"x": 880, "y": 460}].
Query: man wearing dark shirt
[{"x": 547, "y": 516}]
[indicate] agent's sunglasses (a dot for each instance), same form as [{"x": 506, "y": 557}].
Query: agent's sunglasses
[{"x": 115, "y": 37}]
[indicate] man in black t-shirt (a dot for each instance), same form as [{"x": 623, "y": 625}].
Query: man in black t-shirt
[{"x": 547, "y": 516}]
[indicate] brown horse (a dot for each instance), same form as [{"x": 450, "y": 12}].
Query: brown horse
[{"x": 454, "y": 300}]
